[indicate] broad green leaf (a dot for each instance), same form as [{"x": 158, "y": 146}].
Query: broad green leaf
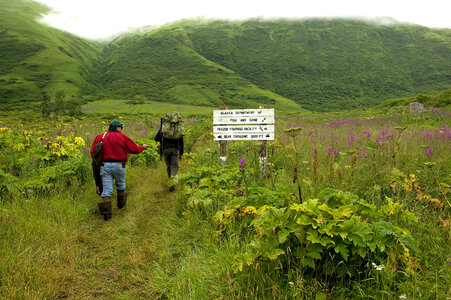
[
  {"x": 308, "y": 261},
  {"x": 343, "y": 250},
  {"x": 316, "y": 255},
  {"x": 282, "y": 236},
  {"x": 312, "y": 235},
  {"x": 320, "y": 296},
  {"x": 274, "y": 253}
]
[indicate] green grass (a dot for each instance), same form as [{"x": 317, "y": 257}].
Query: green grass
[
  {"x": 56, "y": 245},
  {"x": 59, "y": 246},
  {"x": 121, "y": 106}
]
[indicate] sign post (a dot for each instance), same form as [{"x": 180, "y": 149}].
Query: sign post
[
  {"x": 243, "y": 125},
  {"x": 223, "y": 148},
  {"x": 263, "y": 157}
]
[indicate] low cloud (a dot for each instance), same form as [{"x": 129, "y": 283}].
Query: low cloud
[{"x": 103, "y": 19}]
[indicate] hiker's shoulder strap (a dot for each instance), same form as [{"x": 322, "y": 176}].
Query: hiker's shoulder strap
[{"x": 103, "y": 136}]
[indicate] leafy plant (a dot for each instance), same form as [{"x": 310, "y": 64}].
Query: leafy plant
[{"x": 336, "y": 234}]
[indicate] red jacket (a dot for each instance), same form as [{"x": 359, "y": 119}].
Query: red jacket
[{"x": 116, "y": 145}]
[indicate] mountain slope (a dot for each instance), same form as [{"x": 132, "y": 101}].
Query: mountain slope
[
  {"x": 330, "y": 64},
  {"x": 164, "y": 66},
  {"x": 34, "y": 57},
  {"x": 314, "y": 64}
]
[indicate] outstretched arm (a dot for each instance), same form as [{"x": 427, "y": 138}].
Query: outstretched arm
[{"x": 132, "y": 147}]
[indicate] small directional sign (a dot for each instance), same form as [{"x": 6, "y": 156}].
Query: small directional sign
[
  {"x": 243, "y": 116},
  {"x": 244, "y": 136},
  {"x": 243, "y": 120},
  {"x": 244, "y": 129},
  {"x": 244, "y": 113}
]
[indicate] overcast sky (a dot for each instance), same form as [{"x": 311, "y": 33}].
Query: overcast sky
[{"x": 102, "y": 19}]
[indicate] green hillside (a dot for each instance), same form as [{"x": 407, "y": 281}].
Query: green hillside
[
  {"x": 164, "y": 66},
  {"x": 433, "y": 100},
  {"x": 330, "y": 64},
  {"x": 35, "y": 57},
  {"x": 320, "y": 65}
]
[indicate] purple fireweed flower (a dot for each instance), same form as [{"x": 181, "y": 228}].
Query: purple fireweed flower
[
  {"x": 383, "y": 132},
  {"x": 350, "y": 140},
  {"x": 329, "y": 150},
  {"x": 85, "y": 150},
  {"x": 336, "y": 152},
  {"x": 364, "y": 154},
  {"x": 32, "y": 160},
  {"x": 242, "y": 164},
  {"x": 429, "y": 152},
  {"x": 312, "y": 138},
  {"x": 10, "y": 168},
  {"x": 380, "y": 140}
]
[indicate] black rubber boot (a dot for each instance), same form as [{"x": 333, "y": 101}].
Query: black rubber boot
[
  {"x": 121, "y": 199},
  {"x": 105, "y": 208}
]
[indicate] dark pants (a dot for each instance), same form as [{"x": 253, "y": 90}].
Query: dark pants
[{"x": 171, "y": 158}]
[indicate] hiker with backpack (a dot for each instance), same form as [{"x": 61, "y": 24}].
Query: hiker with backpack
[
  {"x": 109, "y": 153},
  {"x": 170, "y": 137}
]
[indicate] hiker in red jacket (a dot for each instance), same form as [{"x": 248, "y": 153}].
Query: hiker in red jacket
[{"x": 115, "y": 147}]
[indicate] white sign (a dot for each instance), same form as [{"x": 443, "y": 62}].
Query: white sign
[
  {"x": 244, "y": 113},
  {"x": 257, "y": 126},
  {"x": 243, "y": 120},
  {"x": 244, "y": 136},
  {"x": 244, "y": 129},
  {"x": 243, "y": 116}
]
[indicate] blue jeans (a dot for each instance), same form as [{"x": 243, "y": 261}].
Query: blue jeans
[{"x": 110, "y": 171}]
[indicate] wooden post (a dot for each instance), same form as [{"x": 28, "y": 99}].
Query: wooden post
[
  {"x": 263, "y": 157},
  {"x": 223, "y": 146}
]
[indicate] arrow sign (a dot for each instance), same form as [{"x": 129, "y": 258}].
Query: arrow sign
[
  {"x": 243, "y": 129},
  {"x": 243, "y": 120},
  {"x": 244, "y": 136}
]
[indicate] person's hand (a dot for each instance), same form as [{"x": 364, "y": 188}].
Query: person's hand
[{"x": 146, "y": 147}]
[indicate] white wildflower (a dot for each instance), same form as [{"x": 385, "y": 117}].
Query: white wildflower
[{"x": 378, "y": 267}]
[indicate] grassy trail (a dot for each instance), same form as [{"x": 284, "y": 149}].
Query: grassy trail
[
  {"x": 59, "y": 247},
  {"x": 118, "y": 257}
]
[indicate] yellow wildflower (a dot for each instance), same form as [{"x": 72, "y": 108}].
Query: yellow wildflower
[
  {"x": 79, "y": 141},
  {"x": 437, "y": 203}
]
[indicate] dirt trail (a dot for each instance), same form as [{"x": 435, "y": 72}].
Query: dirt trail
[
  {"x": 117, "y": 257},
  {"x": 120, "y": 258}
]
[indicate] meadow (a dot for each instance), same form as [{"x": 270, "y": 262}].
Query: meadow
[{"x": 349, "y": 205}]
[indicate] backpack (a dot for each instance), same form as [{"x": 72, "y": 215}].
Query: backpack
[
  {"x": 172, "y": 126},
  {"x": 96, "y": 164}
]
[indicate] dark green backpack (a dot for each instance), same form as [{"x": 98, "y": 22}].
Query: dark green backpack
[{"x": 172, "y": 126}]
